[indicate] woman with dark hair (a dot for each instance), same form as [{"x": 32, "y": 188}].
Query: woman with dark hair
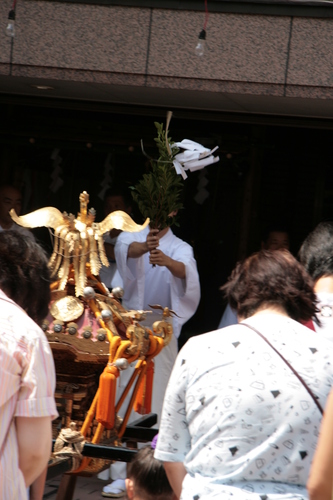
[
  {"x": 27, "y": 375},
  {"x": 24, "y": 275},
  {"x": 316, "y": 255},
  {"x": 243, "y": 405}
]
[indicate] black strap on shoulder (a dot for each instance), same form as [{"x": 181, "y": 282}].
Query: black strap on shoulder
[{"x": 289, "y": 365}]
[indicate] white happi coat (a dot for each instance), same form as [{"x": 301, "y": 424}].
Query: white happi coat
[{"x": 145, "y": 284}]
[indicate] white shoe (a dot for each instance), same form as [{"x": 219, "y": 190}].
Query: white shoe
[{"x": 117, "y": 489}]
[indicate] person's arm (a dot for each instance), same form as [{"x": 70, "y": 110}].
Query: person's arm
[
  {"x": 37, "y": 488},
  {"x": 109, "y": 243},
  {"x": 109, "y": 250},
  {"x": 175, "y": 472},
  {"x": 34, "y": 438},
  {"x": 177, "y": 268},
  {"x": 320, "y": 482},
  {"x": 158, "y": 258},
  {"x": 136, "y": 249}
]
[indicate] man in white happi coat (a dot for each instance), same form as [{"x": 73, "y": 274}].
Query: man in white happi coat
[
  {"x": 116, "y": 198},
  {"x": 157, "y": 267}
]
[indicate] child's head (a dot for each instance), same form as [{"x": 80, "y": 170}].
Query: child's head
[{"x": 146, "y": 478}]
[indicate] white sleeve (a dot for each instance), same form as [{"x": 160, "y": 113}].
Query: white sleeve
[
  {"x": 131, "y": 271},
  {"x": 185, "y": 294}
]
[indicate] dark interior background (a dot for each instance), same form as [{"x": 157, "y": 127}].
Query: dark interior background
[{"x": 268, "y": 171}]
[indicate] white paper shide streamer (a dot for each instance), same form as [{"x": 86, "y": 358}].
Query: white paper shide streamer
[{"x": 193, "y": 157}]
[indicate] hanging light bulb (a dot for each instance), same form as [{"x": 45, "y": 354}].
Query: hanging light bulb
[
  {"x": 200, "y": 48},
  {"x": 10, "y": 30}
]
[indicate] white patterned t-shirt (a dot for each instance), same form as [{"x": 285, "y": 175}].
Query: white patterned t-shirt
[{"x": 236, "y": 415}]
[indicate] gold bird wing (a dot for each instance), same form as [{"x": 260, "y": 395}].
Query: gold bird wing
[
  {"x": 43, "y": 217},
  {"x": 119, "y": 220}
]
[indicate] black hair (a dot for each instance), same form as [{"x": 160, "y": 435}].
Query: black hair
[
  {"x": 273, "y": 278},
  {"x": 24, "y": 274},
  {"x": 316, "y": 252},
  {"x": 149, "y": 477},
  {"x": 277, "y": 226},
  {"x": 119, "y": 190},
  {"x": 3, "y": 187}
]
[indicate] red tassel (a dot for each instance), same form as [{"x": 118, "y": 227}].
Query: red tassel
[
  {"x": 149, "y": 385},
  {"x": 105, "y": 412}
]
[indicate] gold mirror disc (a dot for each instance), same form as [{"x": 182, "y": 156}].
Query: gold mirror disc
[{"x": 67, "y": 308}]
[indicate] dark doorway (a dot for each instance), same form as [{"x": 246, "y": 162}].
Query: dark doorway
[{"x": 267, "y": 171}]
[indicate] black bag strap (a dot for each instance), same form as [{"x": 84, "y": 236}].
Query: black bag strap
[{"x": 289, "y": 365}]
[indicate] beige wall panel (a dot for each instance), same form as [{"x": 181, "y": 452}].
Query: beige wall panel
[
  {"x": 80, "y": 36},
  {"x": 311, "y": 52},
  {"x": 238, "y": 47},
  {"x": 5, "y": 41}
]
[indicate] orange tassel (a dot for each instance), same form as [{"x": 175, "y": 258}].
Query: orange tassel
[
  {"x": 139, "y": 398},
  {"x": 105, "y": 411},
  {"x": 143, "y": 399}
]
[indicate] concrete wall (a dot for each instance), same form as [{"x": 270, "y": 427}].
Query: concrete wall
[{"x": 245, "y": 54}]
